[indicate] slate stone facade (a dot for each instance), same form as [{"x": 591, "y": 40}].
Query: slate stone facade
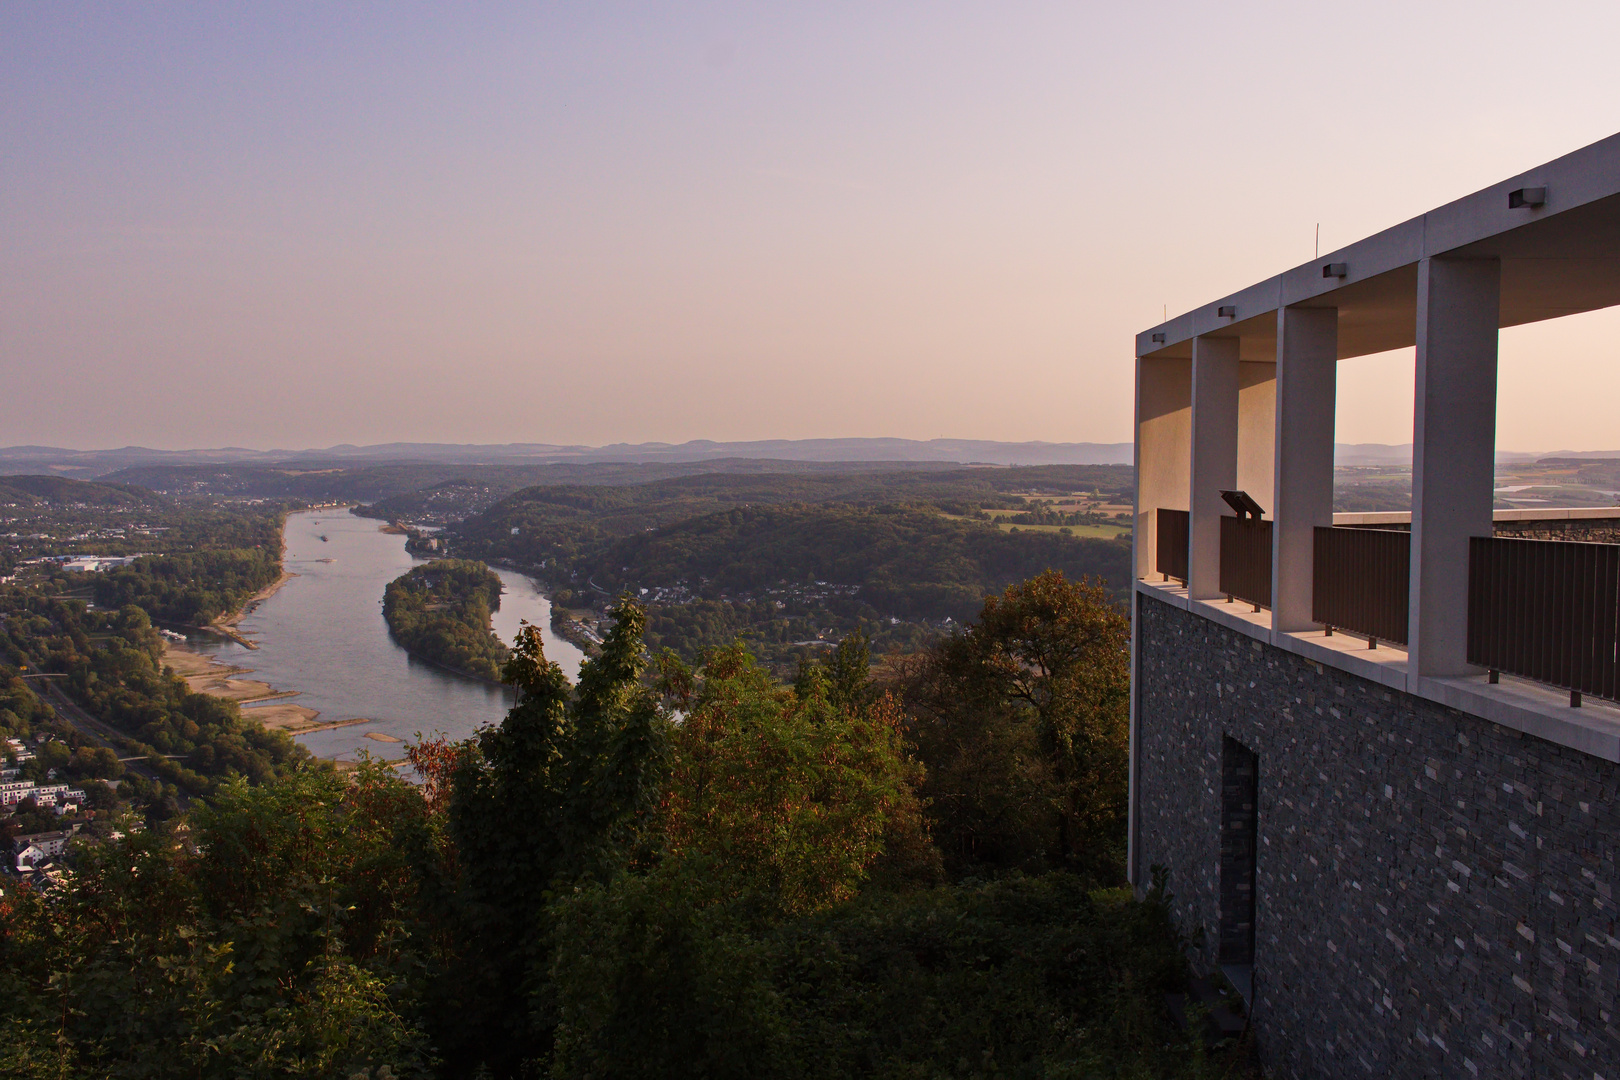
[{"x": 1434, "y": 894}]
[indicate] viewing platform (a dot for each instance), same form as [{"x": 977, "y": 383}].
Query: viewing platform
[{"x": 1379, "y": 754}]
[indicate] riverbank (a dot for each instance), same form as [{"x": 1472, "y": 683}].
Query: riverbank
[
  {"x": 566, "y": 626},
  {"x": 225, "y": 625},
  {"x": 563, "y": 622},
  {"x": 204, "y": 675},
  {"x": 324, "y": 635}
]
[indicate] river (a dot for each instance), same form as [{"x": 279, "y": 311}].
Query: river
[{"x": 322, "y": 635}]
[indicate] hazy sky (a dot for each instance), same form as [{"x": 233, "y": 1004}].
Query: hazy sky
[{"x": 290, "y": 225}]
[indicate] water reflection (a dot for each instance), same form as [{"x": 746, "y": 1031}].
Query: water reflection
[{"x": 323, "y": 635}]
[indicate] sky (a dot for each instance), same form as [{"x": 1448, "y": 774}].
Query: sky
[{"x": 295, "y": 225}]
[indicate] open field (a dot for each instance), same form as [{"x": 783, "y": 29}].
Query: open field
[
  {"x": 1007, "y": 522},
  {"x": 1106, "y": 532}
]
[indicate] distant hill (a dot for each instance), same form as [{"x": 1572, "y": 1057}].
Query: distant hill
[
  {"x": 94, "y": 463},
  {"x": 63, "y": 491},
  {"x": 90, "y": 464}
]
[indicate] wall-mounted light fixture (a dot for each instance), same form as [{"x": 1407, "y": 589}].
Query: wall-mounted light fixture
[
  {"x": 1158, "y": 339},
  {"x": 1527, "y": 196},
  {"x": 1226, "y": 311},
  {"x": 1333, "y": 270}
]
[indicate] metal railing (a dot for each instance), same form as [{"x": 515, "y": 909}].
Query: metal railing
[
  {"x": 1246, "y": 560},
  {"x": 1547, "y": 610},
  {"x": 1361, "y": 581},
  {"x": 1170, "y": 532}
]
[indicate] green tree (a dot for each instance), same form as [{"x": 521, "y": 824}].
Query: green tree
[
  {"x": 558, "y": 795},
  {"x": 779, "y": 803},
  {"x": 1023, "y": 722},
  {"x": 792, "y": 795}
]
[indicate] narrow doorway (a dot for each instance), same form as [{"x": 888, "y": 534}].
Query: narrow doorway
[{"x": 1240, "y": 801}]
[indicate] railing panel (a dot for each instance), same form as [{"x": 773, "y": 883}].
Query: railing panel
[
  {"x": 1547, "y": 610},
  {"x": 1361, "y": 581},
  {"x": 1246, "y": 559},
  {"x": 1170, "y": 530}
]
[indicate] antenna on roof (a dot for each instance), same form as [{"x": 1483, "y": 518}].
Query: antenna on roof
[{"x": 1318, "y": 254}]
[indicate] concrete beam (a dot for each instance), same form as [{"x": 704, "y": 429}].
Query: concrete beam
[
  {"x": 1559, "y": 258},
  {"x": 1214, "y": 457},
  {"x": 1307, "y": 396},
  {"x": 1453, "y": 452}
]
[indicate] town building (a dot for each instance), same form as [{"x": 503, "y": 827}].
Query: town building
[
  {"x": 34, "y": 849},
  {"x": 1378, "y": 758},
  {"x": 58, "y": 795}
]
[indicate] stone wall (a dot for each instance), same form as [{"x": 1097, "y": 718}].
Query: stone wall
[{"x": 1435, "y": 894}]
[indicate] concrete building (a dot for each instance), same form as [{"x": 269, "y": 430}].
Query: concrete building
[
  {"x": 57, "y": 795},
  {"x": 1379, "y": 758},
  {"x": 33, "y": 849}
]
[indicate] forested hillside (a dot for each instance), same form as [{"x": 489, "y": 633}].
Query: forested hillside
[
  {"x": 445, "y": 490},
  {"x": 34, "y": 491},
  {"x": 89, "y": 637},
  {"x": 791, "y": 562},
  {"x": 571, "y": 515},
  {"x": 112, "y": 666}
]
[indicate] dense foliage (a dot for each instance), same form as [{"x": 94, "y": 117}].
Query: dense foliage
[
  {"x": 659, "y": 977},
  {"x": 190, "y": 588},
  {"x": 268, "y": 943},
  {"x": 690, "y": 872},
  {"x": 440, "y": 612}
]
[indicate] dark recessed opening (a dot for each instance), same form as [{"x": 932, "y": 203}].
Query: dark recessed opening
[{"x": 1240, "y": 813}]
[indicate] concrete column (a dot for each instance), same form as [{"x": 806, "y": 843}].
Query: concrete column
[
  {"x": 1453, "y": 451},
  {"x": 1163, "y": 447},
  {"x": 1307, "y": 392},
  {"x": 1163, "y": 468},
  {"x": 1214, "y": 457},
  {"x": 1257, "y": 409}
]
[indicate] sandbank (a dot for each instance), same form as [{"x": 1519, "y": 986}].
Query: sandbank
[{"x": 203, "y": 675}]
